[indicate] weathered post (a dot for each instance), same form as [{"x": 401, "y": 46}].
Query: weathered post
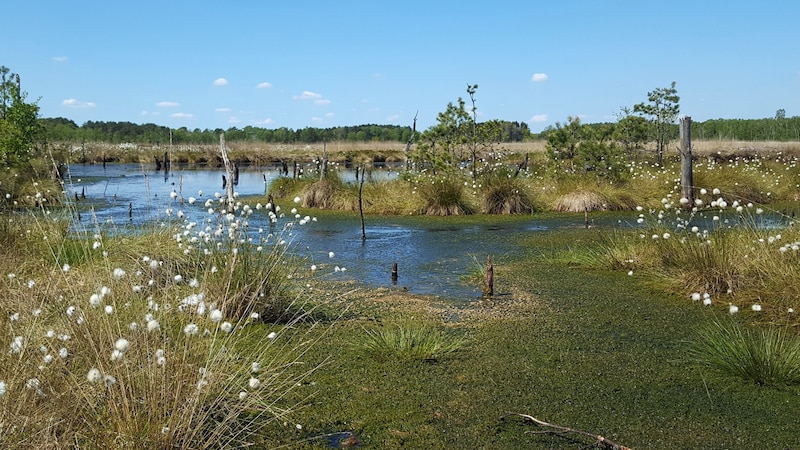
[
  {"x": 687, "y": 181},
  {"x": 488, "y": 281},
  {"x": 394, "y": 274}
]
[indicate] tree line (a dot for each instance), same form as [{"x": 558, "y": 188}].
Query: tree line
[{"x": 64, "y": 130}]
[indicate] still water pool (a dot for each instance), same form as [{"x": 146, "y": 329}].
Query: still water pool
[{"x": 432, "y": 254}]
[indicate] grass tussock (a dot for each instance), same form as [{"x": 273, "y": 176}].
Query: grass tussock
[
  {"x": 408, "y": 341},
  {"x": 768, "y": 356},
  {"x": 444, "y": 196},
  {"x": 504, "y": 193}
]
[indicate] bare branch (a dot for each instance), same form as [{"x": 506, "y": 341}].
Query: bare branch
[{"x": 561, "y": 430}]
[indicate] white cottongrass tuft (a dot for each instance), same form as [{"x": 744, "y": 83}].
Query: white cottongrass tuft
[
  {"x": 17, "y": 344},
  {"x": 122, "y": 344},
  {"x": 95, "y": 300},
  {"x": 696, "y": 296},
  {"x": 153, "y": 325},
  {"x": 733, "y": 309},
  {"x": 94, "y": 375},
  {"x": 226, "y": 327},
  {"x": 756, "y": 307},
  {"x": 3, "y": 388},
  {"x": 118, "y": 273},
  {"x": 254, "y": 383},
  {"x": 190, "y": 329},
  {"x": 215, "y": 315},
  {"x": 272, "y": 335}
]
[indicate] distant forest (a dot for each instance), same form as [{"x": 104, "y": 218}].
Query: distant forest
[{"x": 65, "y": 130}]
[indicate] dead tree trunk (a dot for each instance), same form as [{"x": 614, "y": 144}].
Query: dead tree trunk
[
  {"x": 228, "y": 171},
  {"x": 687, "y": 179}
]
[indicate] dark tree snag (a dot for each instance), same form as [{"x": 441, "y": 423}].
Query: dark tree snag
[
  {"x": 361, "y": 205},
  {"x": 558, "y": 429}
]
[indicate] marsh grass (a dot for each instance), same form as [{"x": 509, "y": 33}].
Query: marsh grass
[
  {"x": 444, "y": 196},
  {"x": 408, "y": 341},
  {"x": 149, "y": 338},
  {"x": 504, "y": 193},
  {"x": 768, "y": 356}
]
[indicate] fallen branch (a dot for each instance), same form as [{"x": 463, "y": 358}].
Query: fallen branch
[{"x": 558, "y": 429}]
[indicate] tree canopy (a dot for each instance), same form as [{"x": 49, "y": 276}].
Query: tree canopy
[{"x": 20, "y": 130}]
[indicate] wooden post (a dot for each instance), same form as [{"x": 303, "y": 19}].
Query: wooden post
[
  {"x": 394, "y": 274},
  {"x": 687, "y": 181},
  {"x": 488, "y": 282}
]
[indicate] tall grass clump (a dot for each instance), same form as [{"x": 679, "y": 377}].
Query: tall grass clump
[
  {"x": 719, "y": 247},
  {"x": 407, "y": 341},
  {"x": 767, "y": 356},
  {"x": 146, "y": 341},
  {"x": 444, "y": 196},
  {"x": 504, "y": 193}
]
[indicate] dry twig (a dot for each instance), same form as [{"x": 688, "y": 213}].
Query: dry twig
[{"x": 558, "y": 429}]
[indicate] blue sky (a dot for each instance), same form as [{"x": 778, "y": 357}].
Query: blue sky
[{"x": 322, "y": 64}]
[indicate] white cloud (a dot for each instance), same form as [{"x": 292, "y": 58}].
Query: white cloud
[
  {"x": 181, "y": 115},
  {"x": 220, "y": 82},
  {"x": 538, "y": 118},
  {"x": 60, "y": 59},
  {"x": 537, "y": 77},
  {"x": 329, "y": 115},
  {"x": 73, "y": 103},
  {"x": 264, "y": 85},
  {"x": 322, "y": 101},
  {"x": 234, "y": 119},
  {"x": 266, "y": 121},
  {"x": 167, "y": 104},
  {"x": 308, "y": 95},
  {"x": 223, "y": 110},
  {"x": 317, "y": 119},
  {"x": 393, "y": 118}
]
